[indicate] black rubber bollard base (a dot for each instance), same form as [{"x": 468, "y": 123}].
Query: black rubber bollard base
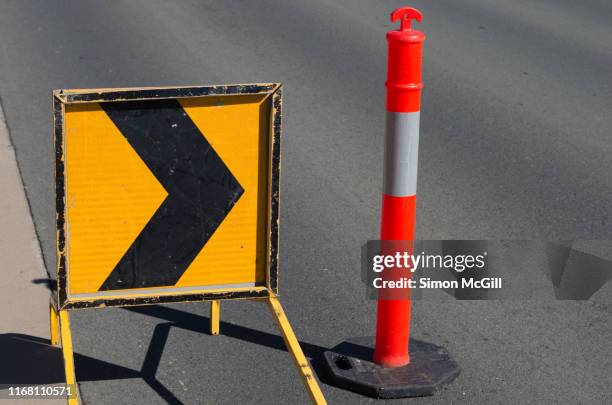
[{"x": 351, "y": 367}]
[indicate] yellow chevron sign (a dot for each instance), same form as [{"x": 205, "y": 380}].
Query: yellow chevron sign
[{"x": 166, "y": 191}]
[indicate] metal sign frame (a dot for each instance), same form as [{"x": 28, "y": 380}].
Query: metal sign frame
[{"x": 62, "y": 98}]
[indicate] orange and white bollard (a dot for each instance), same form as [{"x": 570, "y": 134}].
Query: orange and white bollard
[
  {"x": 404, "y": 86},
  {"x": 381, "y": 366}
]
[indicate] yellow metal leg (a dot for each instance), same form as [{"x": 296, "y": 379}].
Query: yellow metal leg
[
  {"x": 54, "y": 325},
  {"x": 66, "y": 337},
  {"x": 296, "y": 351},
  {"x": 215, "y": 316}
]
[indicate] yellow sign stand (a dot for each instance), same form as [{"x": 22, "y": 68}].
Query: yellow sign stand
[{"x": 168, "y": 195}]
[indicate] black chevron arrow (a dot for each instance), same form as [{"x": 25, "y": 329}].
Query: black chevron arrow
[{"x": 201, "y": 192}]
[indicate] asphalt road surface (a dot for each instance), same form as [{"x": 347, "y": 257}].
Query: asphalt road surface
[{"x": 516, "y": 142}]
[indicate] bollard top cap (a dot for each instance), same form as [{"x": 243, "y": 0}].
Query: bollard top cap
[{"x": 405, "y": 32}]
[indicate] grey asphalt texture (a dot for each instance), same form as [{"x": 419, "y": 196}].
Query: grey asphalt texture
[{"x": 516, "y": 142}]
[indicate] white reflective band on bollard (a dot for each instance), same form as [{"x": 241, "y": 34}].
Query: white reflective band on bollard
[{"x": 401, "y": 153}]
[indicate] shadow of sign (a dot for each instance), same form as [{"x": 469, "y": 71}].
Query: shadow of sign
[
  {"x": 30, "y": 360},
  {"x": 199, "y": 324}
]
